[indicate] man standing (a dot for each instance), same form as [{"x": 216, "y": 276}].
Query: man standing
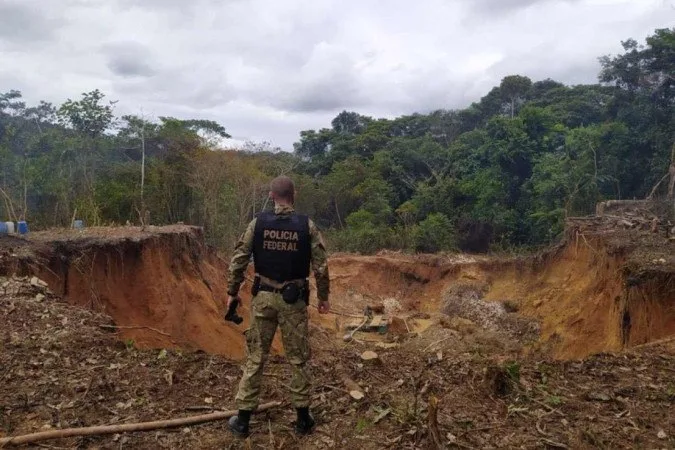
[{"x": 284, "y": 245}]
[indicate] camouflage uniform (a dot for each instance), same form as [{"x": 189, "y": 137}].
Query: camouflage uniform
[{"x": 268, "y": 310}]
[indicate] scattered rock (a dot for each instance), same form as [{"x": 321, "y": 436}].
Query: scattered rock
[
  {"x": 355, "y": 391},
  {"x": 391, "y": 305},
  {"x": 661, "y": 434},
  {"x": 369, "y": 355},
  {"x": 39, "y": 297},
  {"x": 356, "y": 395},
  {"x": 387, "y": 345},
  {"x": 598, "y": 396},
  {"x": 36, "y": 282}
]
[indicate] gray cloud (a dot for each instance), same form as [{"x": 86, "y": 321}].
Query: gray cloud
[
  {"x": 267, "y": 69},
  {"x": 25, "y": 22},
  {"x": 129, "y": 59},
  {"x": 494, "y": 7},
  {"x": 128, "y": 67}
]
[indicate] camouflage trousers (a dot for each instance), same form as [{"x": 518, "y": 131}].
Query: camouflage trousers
[{"x": 268, "y": 310}]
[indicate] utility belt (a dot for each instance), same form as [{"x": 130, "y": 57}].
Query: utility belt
[{"x": 291, "y": 291}]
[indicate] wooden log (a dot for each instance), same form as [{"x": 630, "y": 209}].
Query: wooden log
[{"x": 128, "y": 427}]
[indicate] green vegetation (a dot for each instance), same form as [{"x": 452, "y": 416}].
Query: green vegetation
[
  {"x": 513, "y": 371},
  {"x": 502, "y": 173}
]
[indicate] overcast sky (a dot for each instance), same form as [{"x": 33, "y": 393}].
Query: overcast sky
[{"x": 267, "y": 69}]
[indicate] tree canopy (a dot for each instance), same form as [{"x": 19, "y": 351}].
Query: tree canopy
[{"x": 503, "y": 172}]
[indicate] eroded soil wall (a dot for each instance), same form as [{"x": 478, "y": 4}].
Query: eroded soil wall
[
  {"x": 166, "y": 289},
  {"x": 162, "y": 290},
  {"x": 584, "y": 296}
]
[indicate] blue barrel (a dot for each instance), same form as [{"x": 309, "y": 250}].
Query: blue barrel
[
  {"x": 23, "y": 227},
  {"x": 78, "y": 224},
  {"x": 4, "y": 229}
]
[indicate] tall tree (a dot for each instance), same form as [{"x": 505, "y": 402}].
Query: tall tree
[{"x": 513, "y": 89}]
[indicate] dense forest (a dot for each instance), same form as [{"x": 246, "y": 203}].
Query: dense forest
[{"x": 499, "y": 174}]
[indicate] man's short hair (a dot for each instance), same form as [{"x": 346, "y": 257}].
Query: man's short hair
[{"x": 283, "y": 187}]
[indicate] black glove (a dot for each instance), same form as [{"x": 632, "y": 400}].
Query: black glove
[{"x": 231, "y": 315}]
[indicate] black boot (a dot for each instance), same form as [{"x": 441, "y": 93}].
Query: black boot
[
  {"x": 239, "y": 424},
  {"x": 305, "y": 422}
]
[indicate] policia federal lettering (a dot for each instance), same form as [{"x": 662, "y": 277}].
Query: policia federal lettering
[
  {"x": 286, "y": 241},
  {"x": 282, "y": 246}
]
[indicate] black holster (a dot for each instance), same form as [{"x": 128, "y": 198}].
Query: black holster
[
  {"x": 290, "y": 293},
  {"x": 255, "y": 287}
]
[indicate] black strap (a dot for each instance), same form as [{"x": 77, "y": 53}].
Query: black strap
[{"x": 266, "y": 288}]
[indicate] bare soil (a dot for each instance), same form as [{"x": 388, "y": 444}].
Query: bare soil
[
  {"x": 572, "y": 348},
  {"x": 60, "y": 368}
]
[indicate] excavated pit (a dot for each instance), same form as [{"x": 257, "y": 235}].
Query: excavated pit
[
  {"x": 598, "y": 292},
  {"x": 604, "y": 289},
  {"x": 163, "y": 288}
]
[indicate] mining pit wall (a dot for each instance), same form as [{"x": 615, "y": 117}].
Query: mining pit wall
[{"x": 601, "y": 290}]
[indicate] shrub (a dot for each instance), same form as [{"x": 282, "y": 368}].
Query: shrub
[{"x": 435, "y": 233}]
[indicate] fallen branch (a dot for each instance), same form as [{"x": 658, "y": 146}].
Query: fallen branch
[
  {"x": 433, "y": 423},
  {"x": 135, "y": 327},
  {"x": 554, "y": 444},
  {"x": 129, "y": 427},
  {"x": 653, "y": 343},
  {"x": 540, "y": 429},
  {"x": 202, "y": 408},
  {"x": 656, "y": 186},
  {"x": 437, "y": 342}
]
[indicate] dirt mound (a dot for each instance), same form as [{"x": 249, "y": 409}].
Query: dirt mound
[
  {"x": 162, "y": 287},
  {"x": 414, "y": 282},
  {"x": 466, "y": 299}
]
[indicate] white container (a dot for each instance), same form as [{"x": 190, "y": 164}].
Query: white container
[{"x": 10, "y": 227}]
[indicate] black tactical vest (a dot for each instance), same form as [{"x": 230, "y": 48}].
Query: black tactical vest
[{"x": 282, "y": 246}]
